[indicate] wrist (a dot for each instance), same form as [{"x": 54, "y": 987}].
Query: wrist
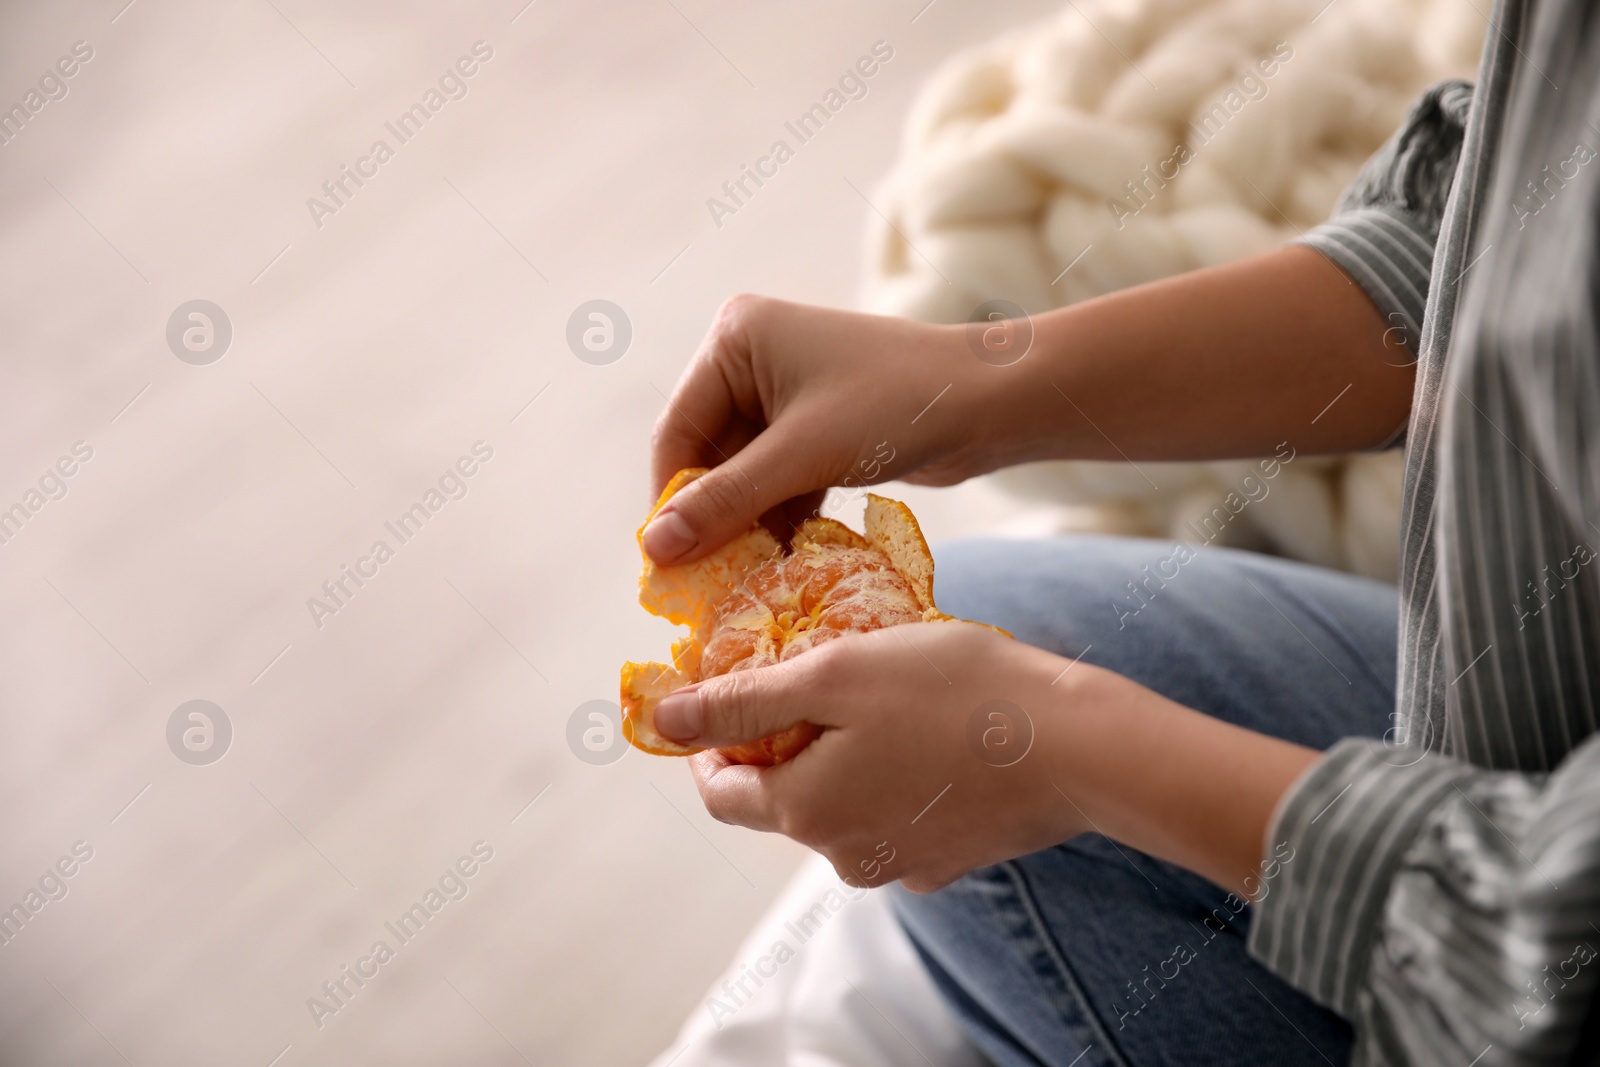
[
  {"x": 1166, "y": 779},
  {"x": 992, "y": 414},
  {"x": 1027, "y": 402},
  {"x": 1088, "y": 722}
]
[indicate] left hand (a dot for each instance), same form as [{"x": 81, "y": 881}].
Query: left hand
[{"x": 900, "y": 785}]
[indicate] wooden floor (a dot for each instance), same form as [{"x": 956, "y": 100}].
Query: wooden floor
[{"x": 385, "y": 340}]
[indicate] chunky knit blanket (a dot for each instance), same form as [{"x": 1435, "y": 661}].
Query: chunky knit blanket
[{"x": 1128, "y": 140}]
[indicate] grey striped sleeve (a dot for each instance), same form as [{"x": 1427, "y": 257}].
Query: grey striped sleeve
[
  {"x": 1349, "y": 820},
  {"x": 1382, "y": 234},
  {"x": 1447, "y": 910},
  {"x": 1444, "y": 894}
]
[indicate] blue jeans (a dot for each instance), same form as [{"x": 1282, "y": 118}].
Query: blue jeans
[{"x": 1071, "y": 957}]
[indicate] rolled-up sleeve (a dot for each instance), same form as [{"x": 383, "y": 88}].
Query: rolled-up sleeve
[
  {"x": 1383, "y": 231},
  {"x": 1448, "y": 911}
]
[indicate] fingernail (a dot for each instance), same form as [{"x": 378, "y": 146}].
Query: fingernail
[
  {"x": 667, "y": 537},
  {"x": 678, "y": 716}
]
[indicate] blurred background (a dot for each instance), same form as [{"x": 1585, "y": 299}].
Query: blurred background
[
  {"x": 246, "y": 346},
  {"x": 370, "y": 349}
]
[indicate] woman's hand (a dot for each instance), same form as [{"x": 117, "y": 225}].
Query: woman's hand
[
  {"x": 947, "y": 747},
  {"x": 901, "y": 784},
  {"x": 784, "y": 400}
]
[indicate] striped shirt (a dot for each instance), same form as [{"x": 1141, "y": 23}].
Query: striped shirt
[{"x": 1446, "y": 891}]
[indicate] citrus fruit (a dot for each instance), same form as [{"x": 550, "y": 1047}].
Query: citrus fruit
[{"x": 753, "y": 603}]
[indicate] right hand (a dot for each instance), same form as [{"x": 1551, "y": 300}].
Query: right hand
[
  {"x": 784, "y": 400},
  {"x": 895, "y": 736}
]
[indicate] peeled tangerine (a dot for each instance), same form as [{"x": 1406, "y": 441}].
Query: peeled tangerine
[{"x": 750, "y": 604}]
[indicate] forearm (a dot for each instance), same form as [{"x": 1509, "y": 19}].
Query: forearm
[
  {"x": 1218, "y": 363},
  {"x": 1166, "y": 779}
]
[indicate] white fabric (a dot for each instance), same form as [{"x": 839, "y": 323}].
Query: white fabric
[
  {"x": 1015, "y": 149},
  {"x": 853, "y": 994}
]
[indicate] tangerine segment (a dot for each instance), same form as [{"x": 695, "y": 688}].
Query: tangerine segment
[
  {"x": 771, "y": 751},
  {"x": 750, "y": 605},
  {"x": 790, "y": 606}
]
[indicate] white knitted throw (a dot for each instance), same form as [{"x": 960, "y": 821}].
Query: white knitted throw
[{"x": 1128, "y": 140}]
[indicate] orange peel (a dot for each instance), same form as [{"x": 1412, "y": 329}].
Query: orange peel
[{"x": 751, "y": 603}]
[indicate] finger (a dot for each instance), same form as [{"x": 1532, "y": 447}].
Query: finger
[
  {"x": 715, "y": 397},
  {"x": 736, "y": 708},
  {"x": 934, "y": 872},
  {"x": 787, "y": 517},
  {"x": 697, "y": 416},
  {"x": 846, "y": 874},
  {"x": 721, "y": 504},
  {"x": 734, "y": 792}
]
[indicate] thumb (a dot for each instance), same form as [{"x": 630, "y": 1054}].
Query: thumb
[
  {"x": 722, "y": 503},
  {"x": 733, "y": 709}
]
